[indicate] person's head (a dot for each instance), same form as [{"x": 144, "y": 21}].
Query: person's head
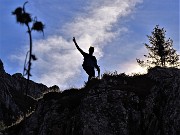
[{"x": 91, "y": 50}]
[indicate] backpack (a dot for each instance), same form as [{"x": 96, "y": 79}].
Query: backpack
[{"x": 89, "y": 61}]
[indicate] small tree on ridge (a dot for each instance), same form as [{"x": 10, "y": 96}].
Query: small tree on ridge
[{"x": 161, "y": 52}]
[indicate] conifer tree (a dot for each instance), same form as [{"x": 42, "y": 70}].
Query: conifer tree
[{"x": 160, "y": 51}]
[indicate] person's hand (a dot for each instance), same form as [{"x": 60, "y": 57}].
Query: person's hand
[
  {"x": 74, "y": 40},
  {"x": 98, "y": 77},
  {"x": 98, "y": 74}
]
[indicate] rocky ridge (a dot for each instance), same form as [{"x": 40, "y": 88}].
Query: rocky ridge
[
  {"x": 12, "y": 98},
  {"x": 115, "y": 105}
]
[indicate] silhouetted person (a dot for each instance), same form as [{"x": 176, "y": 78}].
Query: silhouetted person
[{"x": 90, "y": 61}]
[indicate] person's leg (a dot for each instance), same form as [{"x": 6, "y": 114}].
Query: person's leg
[{"x": 90, "y": 71}]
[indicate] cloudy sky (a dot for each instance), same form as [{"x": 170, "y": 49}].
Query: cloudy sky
[{"x": 116, "y": 28}]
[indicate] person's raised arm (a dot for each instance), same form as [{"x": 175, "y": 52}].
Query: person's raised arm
[{"x": 81, "y": 51}]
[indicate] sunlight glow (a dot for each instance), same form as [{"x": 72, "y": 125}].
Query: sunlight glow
[{"x": 133, "y": 68}]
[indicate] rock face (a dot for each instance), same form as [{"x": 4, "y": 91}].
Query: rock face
[
  {"x": 1, "y": 67},
  {"x": 12, "y": 97},
  {"x": 115, "y": 105}
]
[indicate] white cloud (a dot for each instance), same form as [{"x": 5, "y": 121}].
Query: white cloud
[
  {"x": 132, "y": 67},
  {"x": 58, "y": 60}
]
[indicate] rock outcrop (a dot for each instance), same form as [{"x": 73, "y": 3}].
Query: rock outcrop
[
  {"x": 1, "y": 67},
  {"x": 115, "y": 105},
  {"x": 12, "y": 103}
]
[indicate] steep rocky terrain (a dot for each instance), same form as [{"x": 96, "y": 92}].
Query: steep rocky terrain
[
  {"x": 12, "y": 103},
  {"x": 115, "y": 105}
]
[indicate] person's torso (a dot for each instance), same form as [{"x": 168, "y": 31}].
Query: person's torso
[{"x": 89, "y": 60}]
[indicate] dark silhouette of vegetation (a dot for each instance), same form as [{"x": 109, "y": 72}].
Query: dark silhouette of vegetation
[
  {"x": 161, "y": 52},
  {"x": 24, "y": 18},
  {"x": 90, "y": 61}
]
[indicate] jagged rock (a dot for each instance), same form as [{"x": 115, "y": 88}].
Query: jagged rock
[
  {"x": 12, "y": 98},
  {"x": 144, "y": 105},
  {"x": 35, "y": 90},
  {"x": 1, "y": 67}
]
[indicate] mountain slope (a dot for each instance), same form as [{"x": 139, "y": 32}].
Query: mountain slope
[
  {"x": 115, "y": 105},
  {"x": 12, "y": 98}
]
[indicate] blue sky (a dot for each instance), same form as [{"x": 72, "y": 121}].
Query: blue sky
[{"x": 117, "y": 29}]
